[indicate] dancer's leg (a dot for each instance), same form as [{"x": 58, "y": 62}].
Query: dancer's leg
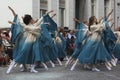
[
  {"x": 53, "y": 65},
  {"x": 10, "y": 67},
  {"x": 73, "y": 67},
  {"x": 45, "y": 66},
  {"x": 33, "y": 69},
  {"x": 59, "y": 61},
  {"x": 68, "y": 61}
]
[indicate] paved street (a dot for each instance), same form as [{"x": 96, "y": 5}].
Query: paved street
[{"x": 62, "y": 73}]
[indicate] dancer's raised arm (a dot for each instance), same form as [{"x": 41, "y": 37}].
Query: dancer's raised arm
[
  {"x": 76, "y": 20},
  {"x": 14, "y": 14},
  {"x": 53, "y": 15},
  {"x": 109, "y": 14},
  {"x": 10, "y": 22},
  {"x": 100, "y": 20},
  {"x": 110, "y": 20},
  {"x": 48, "y": 12},
  {"x": 41, "y": 19},
  {"x": 112, "y": 25}
]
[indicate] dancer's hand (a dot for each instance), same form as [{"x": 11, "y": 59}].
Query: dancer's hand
[
  {"x": 53, "y": 15},
  {"x": 76, "y": 20},
  {"x": 10, "y": 8},
  {"x": 12, "y": 11},
  {"x": 47, "y": 23},
  {"x": 10, "y": 22},
  {"x": 110, "y": 14},
  {"x": 48, "y": 12}
]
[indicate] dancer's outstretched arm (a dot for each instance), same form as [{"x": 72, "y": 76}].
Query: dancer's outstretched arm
[
  {"x": 53, "y": 15},
  {"x": 48, "y": 12},
  {"x": 109, "y": 14},
  {"x": 112, "y": 25},
  {"x": 41, "y": 19},
  {"x": 100, "y": 20},
  {"x": 14, "y": 14},
  {"x": 11, "y": 22},
  {"x": 76, "y": 20},
  {"x": 110, "y": 20}
]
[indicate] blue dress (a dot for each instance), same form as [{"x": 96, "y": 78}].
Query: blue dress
[
  {"x": 93, "y": 49},
  {"x": 63, "y": 41},
  {"x": 116, "y": 50},
  {"x": 24, "y": 37},
  {"x": 81, "y": 35},
  {"x": 59, "y": 44},
  {"x": 45, "y": 41},
  {"x": 49, "y": 46},
  {"x": 109, "y": 37}
]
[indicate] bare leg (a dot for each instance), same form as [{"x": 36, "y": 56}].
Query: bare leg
[
  {"x": 45, "y": 66},
  {"x": 73, "y": 67}
]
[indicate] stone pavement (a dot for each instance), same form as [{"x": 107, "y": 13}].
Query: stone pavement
[{"x": 62, "y": 73}]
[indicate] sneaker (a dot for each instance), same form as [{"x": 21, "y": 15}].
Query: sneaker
[
  {"x": 34, "y": 71},
  {"x": 109, "y": 64},
  {"x": 23, "y": 70},
  {"x": 113, "y": 62},
  {"x": 95, "y": 69},
  {"x": 116, "y": 60},
  {"x": 87, "y": 67}
]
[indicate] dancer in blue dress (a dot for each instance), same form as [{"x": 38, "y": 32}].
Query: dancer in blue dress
[
  {"x": 60, "y": 43},
  {"x": 116, "y": 50},
  {"x": 94, "y": 49},
  {"x": 81, "y": 35},
  {"x": 25, "y": 36},
  {"x": 49, "y": 46}
]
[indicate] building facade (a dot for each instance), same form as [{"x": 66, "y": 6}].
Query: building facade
[{"x": 66, "y": 10}]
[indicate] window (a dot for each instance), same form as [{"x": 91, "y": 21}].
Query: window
[
  {"x": 93, "y": 7},
  {"x": 61, "y": 16},
  {"x": 106, "y": 7},
  {"x": 62, "y": 12},
  {"x": 42, "y": 12},
  {"x": 43, "y": 7}
]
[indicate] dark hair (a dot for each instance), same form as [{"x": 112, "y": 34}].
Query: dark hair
[
  {"x": 6, "y": 34},
  {"x": 27, "y": 18},
  {"x": 91, "y": 21}
]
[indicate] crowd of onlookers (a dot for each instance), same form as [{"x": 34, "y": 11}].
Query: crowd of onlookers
[
  {"x": 69, "y": 35},
  {"x": 5, "y": 48}
]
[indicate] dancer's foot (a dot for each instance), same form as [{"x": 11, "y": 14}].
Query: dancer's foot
[
  {"x": 87, "y": 67},
  {"x": 95, "y": 69},
  {"x": 116, "y": 60},
  {"x": 113, "y": 62},
  {"x": 34, "y": 71},
  {"x": 10, "y": 67},
  {"x": 23, "y": 70},
  {"x": 108, "y": 67}
]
